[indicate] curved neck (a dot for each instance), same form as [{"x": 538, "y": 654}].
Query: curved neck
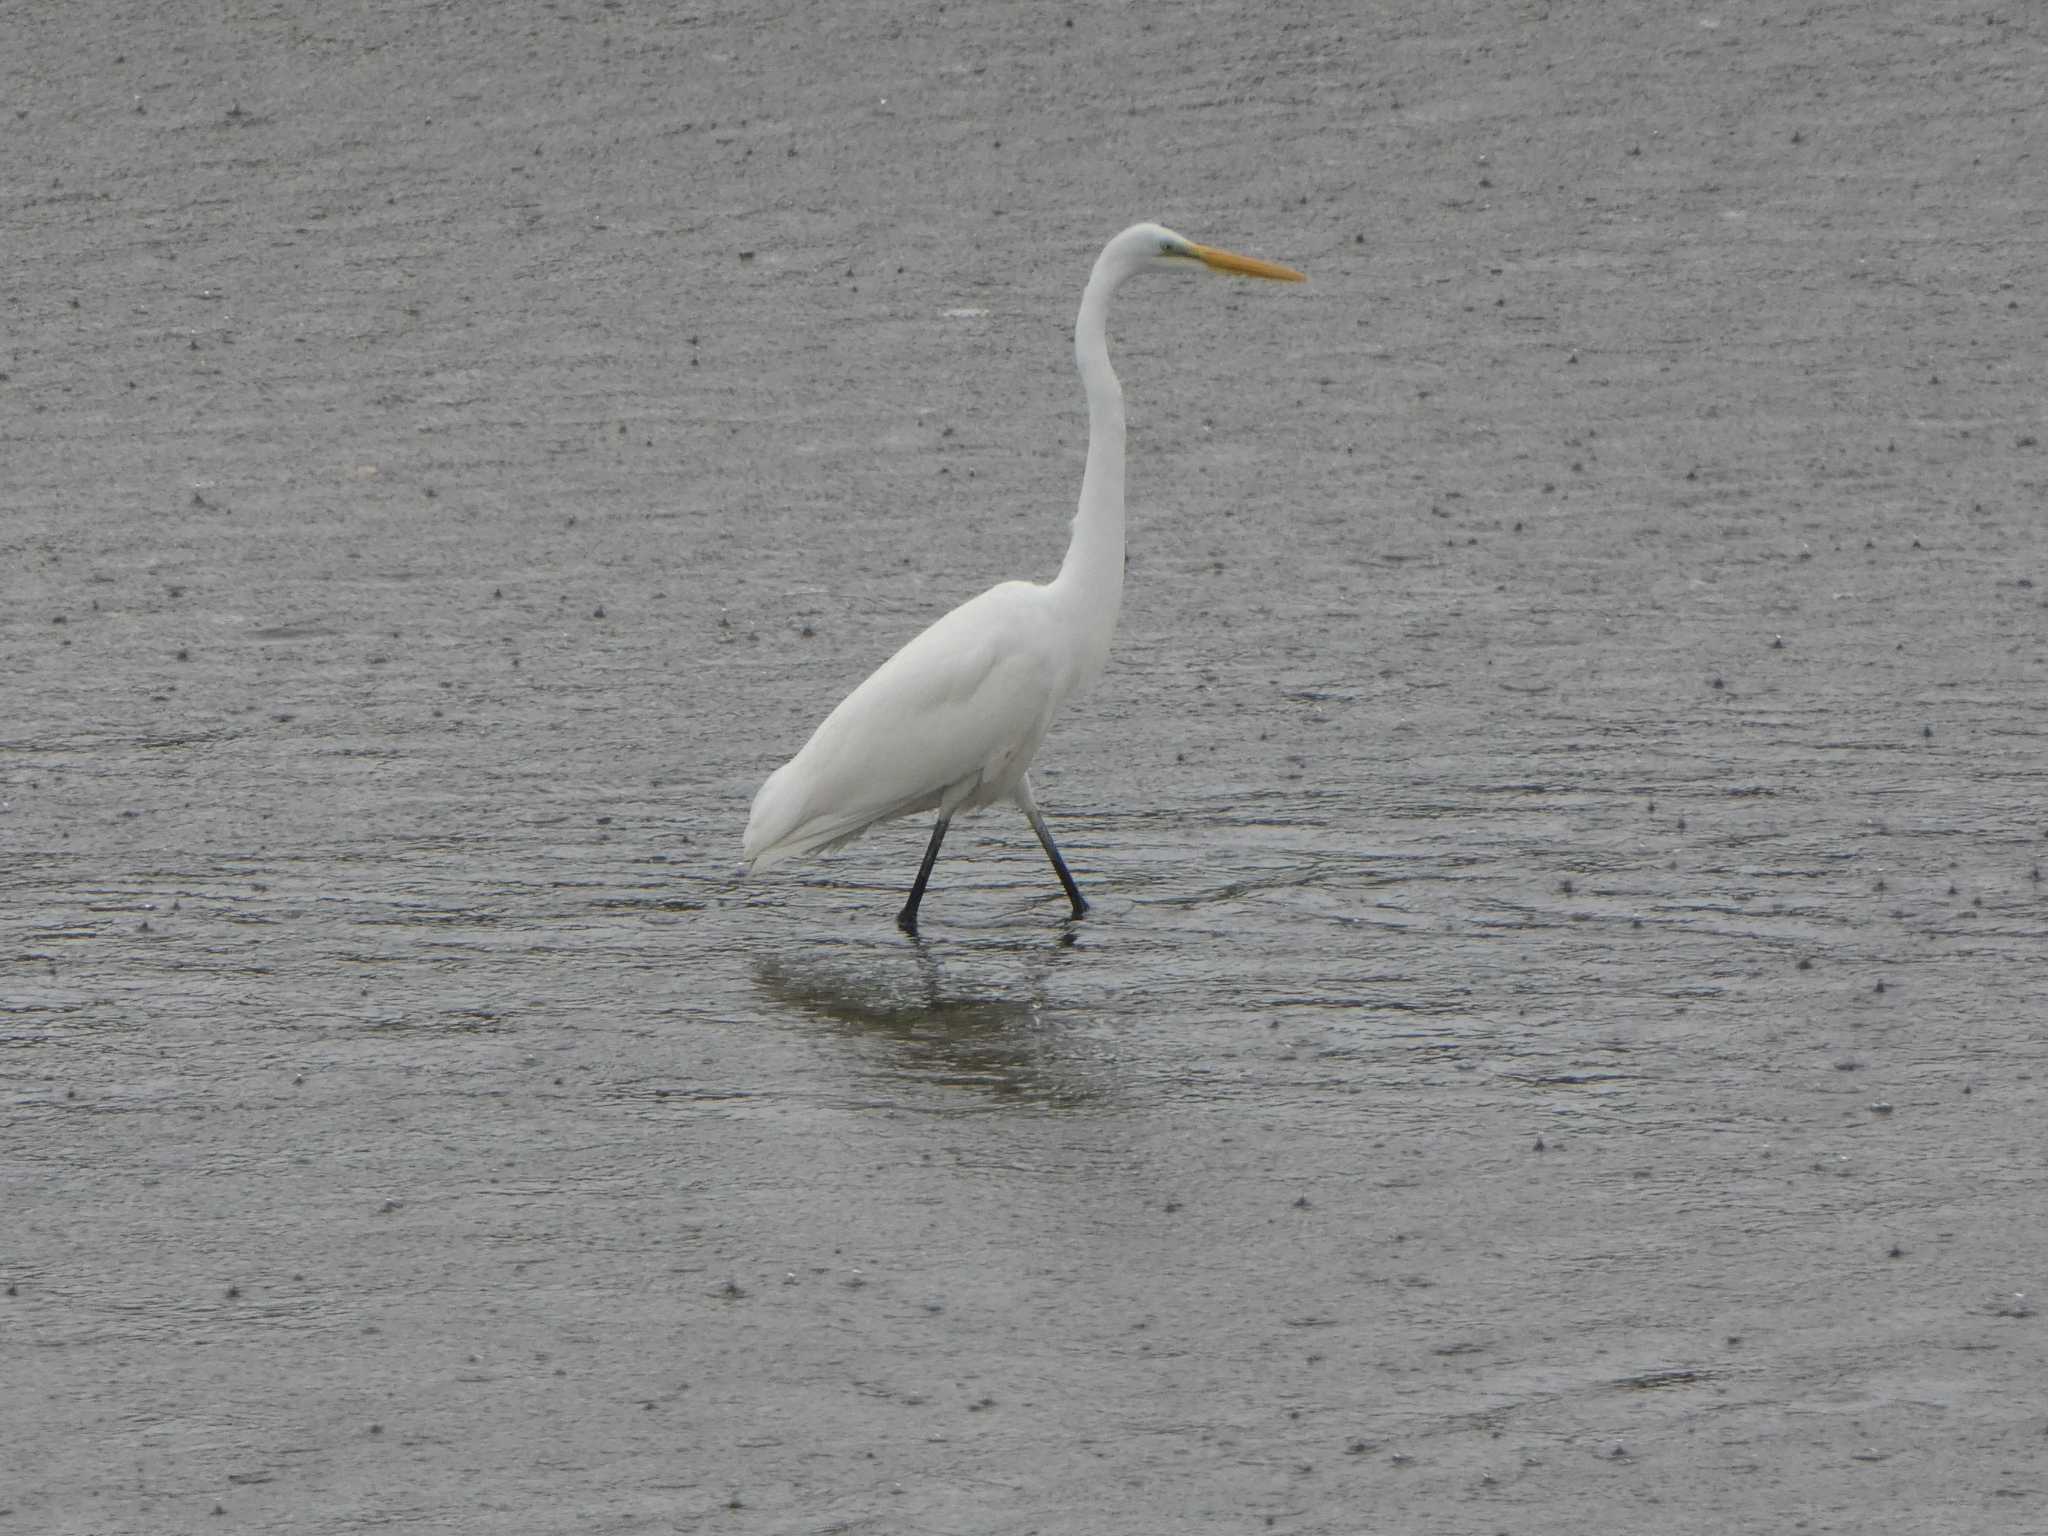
[{"x": 1092, "y": 575}]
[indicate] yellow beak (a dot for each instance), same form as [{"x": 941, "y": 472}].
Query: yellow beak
[{"x": 1247, "y": 266}]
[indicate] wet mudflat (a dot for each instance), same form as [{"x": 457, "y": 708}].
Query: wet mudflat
[{"x": 1559, "y": 1045}]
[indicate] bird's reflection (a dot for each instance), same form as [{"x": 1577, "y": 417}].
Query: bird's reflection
[{"x": 1003, "y": 1042}]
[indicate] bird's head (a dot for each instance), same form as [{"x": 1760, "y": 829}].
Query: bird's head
[{"x": 1144, "y": 247}]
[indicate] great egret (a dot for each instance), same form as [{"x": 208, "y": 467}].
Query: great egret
[{"x": 952, "y": 720}]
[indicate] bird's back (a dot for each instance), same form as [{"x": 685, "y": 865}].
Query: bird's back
[{"x": 951, "y": 722}]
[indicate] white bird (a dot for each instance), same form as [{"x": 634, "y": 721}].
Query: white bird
[{"x": 952, "y": 721}]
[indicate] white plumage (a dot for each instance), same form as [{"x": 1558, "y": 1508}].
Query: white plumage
[{"x": 952, "y": 721}]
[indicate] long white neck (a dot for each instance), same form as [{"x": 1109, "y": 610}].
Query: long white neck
[{"x": 1090, "y": 584}]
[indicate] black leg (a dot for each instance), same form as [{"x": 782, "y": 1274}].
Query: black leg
[
  {"x": 907, "y": 918},
  {"x": 1059, "y": 865}
]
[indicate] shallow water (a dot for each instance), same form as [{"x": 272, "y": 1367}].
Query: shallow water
[{"x": 1557, "y": 1044}]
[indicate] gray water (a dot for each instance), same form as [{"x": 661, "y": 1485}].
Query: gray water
[{"x": 1558, "y": 1042}]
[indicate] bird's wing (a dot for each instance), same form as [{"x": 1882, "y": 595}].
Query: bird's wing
[{"x": 962, "y": 705}]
